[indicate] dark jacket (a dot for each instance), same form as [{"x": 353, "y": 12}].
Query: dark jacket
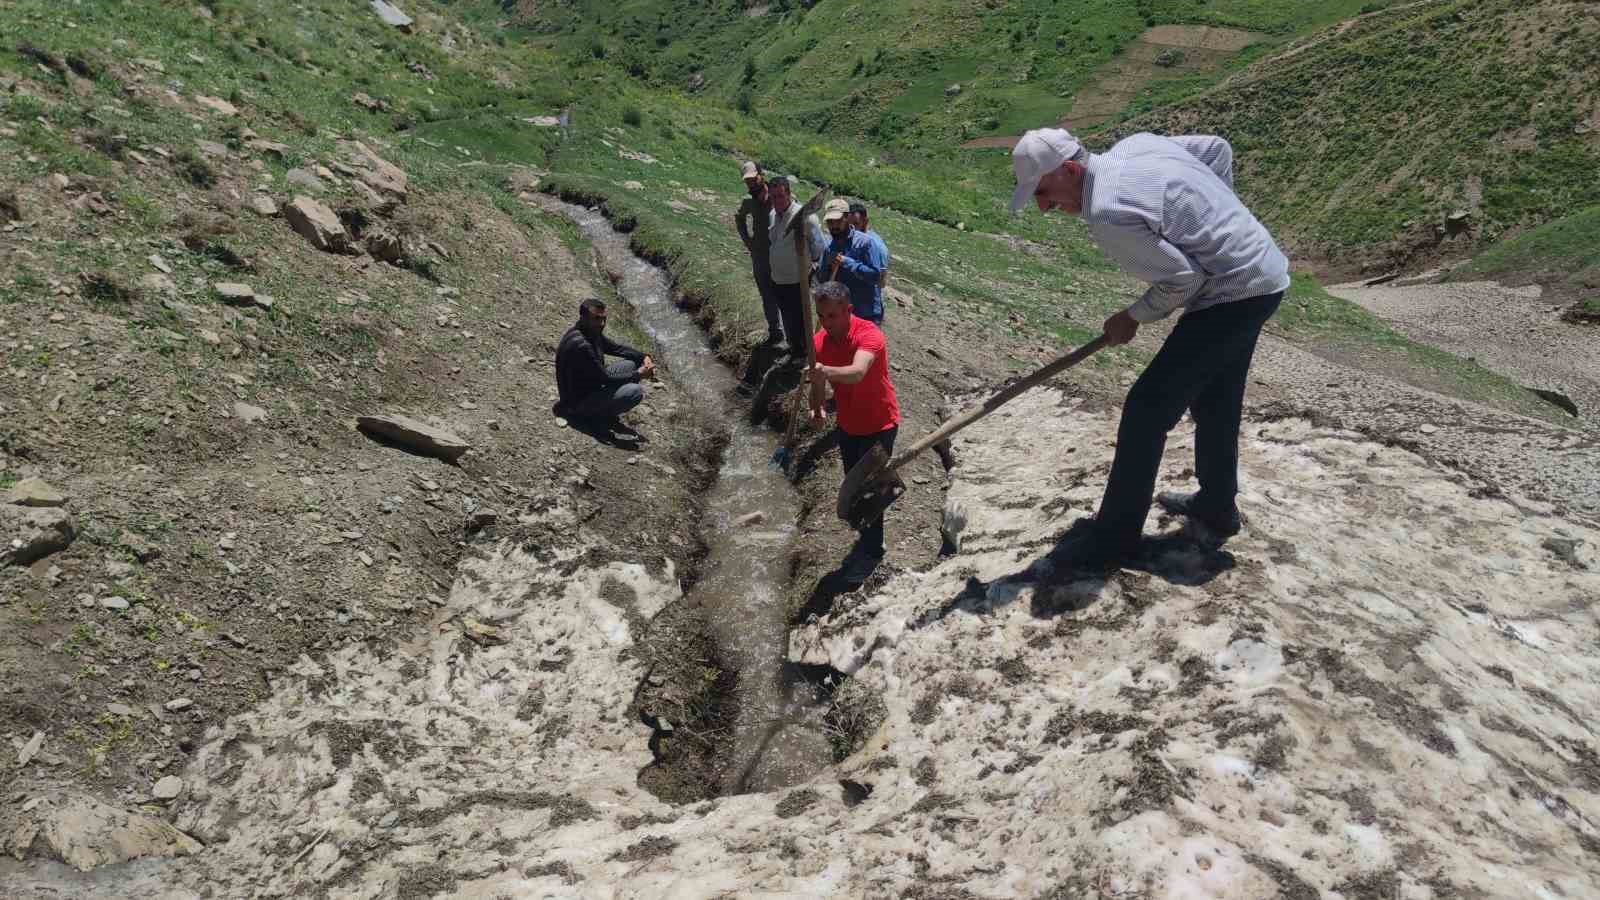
[{"x": 581, "y": 366}]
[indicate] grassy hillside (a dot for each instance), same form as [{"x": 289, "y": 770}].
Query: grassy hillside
[
  {"x": 1359, "y": 144},
  {"x": 879, "y": 70},
  {"x": 1563, "y": 255}
]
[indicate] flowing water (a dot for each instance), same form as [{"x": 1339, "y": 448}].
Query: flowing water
[{"x": 778, "y": 738}]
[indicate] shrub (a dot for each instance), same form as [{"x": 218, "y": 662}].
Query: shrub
[{"x": 633, "y": 117}]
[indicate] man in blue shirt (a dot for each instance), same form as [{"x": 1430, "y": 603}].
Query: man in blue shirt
[
  {"x": 853, "y": 259},
  {"x": 858, "y": 219}
]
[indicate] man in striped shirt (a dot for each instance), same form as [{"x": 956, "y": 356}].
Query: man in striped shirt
[{"x": 1164, "y": 210}]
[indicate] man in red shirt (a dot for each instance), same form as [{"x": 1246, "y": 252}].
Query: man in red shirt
[{"x": 852, "y": 356}]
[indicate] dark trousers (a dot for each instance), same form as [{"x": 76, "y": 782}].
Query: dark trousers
[
  {"x": 769, "y": 300},
  {"x": 1202, "y": 368},
  {"x": 621, "y": 393},
  {"x": 794, "y": 321},
  {"x": 851, "y": 449}
]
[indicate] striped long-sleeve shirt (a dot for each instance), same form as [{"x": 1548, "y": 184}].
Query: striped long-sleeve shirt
[{"x": 1164, "y": 210}]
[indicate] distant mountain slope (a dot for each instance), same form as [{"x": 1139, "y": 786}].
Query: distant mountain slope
[
  {"x": 1358, "y": 145},
  {"x": 880, "y": 70}
]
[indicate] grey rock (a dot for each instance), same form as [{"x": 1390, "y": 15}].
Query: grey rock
[
  {"x": 953, "y": 90},
  {"x": 304, "y": 179},
  {"x": 35, "y": 492},
  {"x": 168, "y": 788},
  {"x": 263, "y": 206},
  {"x": 391, "y": 14},
  {"x": 249, "y": 413},
  {"x": 317, "y": 223},
  {"x": 116, "y": 603},
  {"x": 415, "y": 436},
  {"x": 179, "y": 705},
  {"x": 119, "y": 709},
  {"x": 85, "y": 834},
  {"x": 235, "y": 294},
  {"x": 271, "y": 148},
  {"x": 30, "y": 533}
]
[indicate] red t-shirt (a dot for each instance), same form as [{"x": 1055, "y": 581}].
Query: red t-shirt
[{"x": 868, "y": 406}]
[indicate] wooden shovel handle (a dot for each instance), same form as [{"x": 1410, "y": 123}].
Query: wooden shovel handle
[{"x": 995, "y": 401}]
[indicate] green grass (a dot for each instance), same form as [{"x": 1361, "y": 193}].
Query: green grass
[
  {"x": 878, "y": 72},
  {"x": 464, "y": 131},
  {"x": 1563, "y": 247},
  {"x": 1407, "y": 116}
]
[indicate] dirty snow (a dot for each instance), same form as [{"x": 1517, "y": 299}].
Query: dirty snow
[{"x": 1385, "y": 684}]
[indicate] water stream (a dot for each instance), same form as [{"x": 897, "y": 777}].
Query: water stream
[{"x": 778, "y": 737}]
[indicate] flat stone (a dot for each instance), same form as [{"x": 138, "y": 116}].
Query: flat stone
[
  {"x": 415, "y": 436},
  {"x": 35, "y": 492},
  {"x": 271, "y": 148},
  {"x": 233, "y": 293},
  {"x": 31, "y": 533},
  {"x": 211, "y": 148},
  {"x": 217, "y": 105},
  {"x": 157, "y": 283},
  {"x": 391, "y": 14},
  {"x": 263, "y": 206},
  {"x": 317, "y": 223},
  {"x": 179, "y": 705},
  {"x": 116, "y": 603},
  {"x": 307, "y": 180},
  {"x": 1428, "y": 429},
  {"x": 60, "y": 181},
  {"x": 86, "y": 834},
  {"x": 375, "y": 171},
  {"x": 168, "y": 788},
  {"x": 249, "y": 413},
  {"x": 119, "y": 709}
]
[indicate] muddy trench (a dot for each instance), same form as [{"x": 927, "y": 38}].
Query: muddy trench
[{"x": 730, "y": 713}]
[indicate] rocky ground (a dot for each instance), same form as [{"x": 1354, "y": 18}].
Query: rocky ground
[
  {"x": 217, "y": 516},
  {"x": 1513, "y": 331}
]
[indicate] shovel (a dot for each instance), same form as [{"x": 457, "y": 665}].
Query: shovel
[
  {"x": 802, "y": 246},
  {"x": 871, "y": 485}
]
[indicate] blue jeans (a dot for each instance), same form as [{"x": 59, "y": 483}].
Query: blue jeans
[
  {"x": 1202, "y": 368},
  {"x": 621, "y": 394}
]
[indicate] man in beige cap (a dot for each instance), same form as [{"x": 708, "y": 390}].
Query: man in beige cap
[
  {"x": 751, "y": 222},
  {"x": 852, "y": 259},
  {"x": 1164, "y": 210}
]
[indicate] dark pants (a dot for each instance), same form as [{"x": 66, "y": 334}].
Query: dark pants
[
  {"x": 769, "y": 301},
  {"x": 1202, "y": 368},
  {"x": 620, "y": 394},
  {"x": 794, "y": 321},
  {"x": 851, "y": 449}
]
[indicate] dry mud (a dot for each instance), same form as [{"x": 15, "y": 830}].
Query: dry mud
[{"x": 1384, "y": 687}]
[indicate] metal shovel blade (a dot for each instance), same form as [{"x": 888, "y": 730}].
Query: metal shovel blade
[{"x": 868, "y": 489}]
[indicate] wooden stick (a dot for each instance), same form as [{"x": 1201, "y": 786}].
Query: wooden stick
[
  {"x": 802, "y": 245},
  {"x": 995, "y": 401}
]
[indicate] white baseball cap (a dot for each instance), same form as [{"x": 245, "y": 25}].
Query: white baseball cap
[{"x": 1039, "y": 152}]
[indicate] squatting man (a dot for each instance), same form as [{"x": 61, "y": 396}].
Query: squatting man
[
  {"x": 590, "y": 390},
  {"x": 1164, "y": 210}
]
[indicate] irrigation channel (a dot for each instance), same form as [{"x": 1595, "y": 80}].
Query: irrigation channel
[{"x": 778, "y": 737}]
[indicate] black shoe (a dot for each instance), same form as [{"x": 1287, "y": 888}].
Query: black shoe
[
  {"x": 774, "y": 338},
  {"x": 1085, "y": 550},
  {"x": 1225, "y": 525}
]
